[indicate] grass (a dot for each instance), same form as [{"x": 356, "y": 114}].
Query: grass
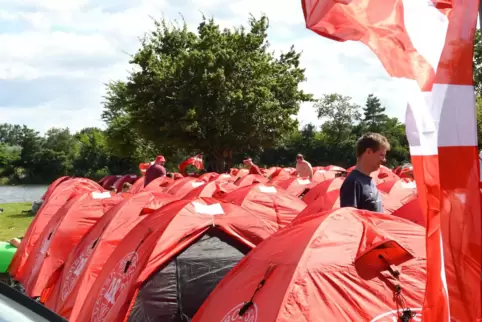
[{"x": 13, "y": 221}]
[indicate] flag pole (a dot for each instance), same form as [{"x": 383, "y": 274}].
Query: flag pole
[{"x": 480, "y": 15}]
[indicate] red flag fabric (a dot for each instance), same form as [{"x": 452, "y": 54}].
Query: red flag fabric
[
  {"x": 196, "y": 161},
  {"x": 430, "y": 44}
]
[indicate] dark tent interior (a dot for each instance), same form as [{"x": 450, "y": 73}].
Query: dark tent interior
[{"x": 176, "y": 291}]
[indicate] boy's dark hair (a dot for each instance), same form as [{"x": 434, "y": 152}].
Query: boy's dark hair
[{"x": 371, "y": 141}]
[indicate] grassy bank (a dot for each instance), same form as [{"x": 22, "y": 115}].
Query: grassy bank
[{"x": 13, "y": 221}]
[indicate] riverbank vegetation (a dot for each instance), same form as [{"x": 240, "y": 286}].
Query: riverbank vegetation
[
  {"x": 219, "y": 92},
  {"x": 14, "y": 220}
]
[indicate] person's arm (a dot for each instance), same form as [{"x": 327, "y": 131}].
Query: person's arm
[
  {"x": 349, "y": 194},
  {"x": 310, "y": 171}
]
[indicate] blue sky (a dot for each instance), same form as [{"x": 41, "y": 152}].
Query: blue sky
[{"x": 56, "y": 55}]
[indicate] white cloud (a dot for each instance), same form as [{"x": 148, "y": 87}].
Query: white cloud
[{"x": 56, "y": 55}]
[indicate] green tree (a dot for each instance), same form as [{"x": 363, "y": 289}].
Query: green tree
[
  {"x": 477, "y": 63},
  {"x": 212, "y": 91},
  {"x": 340, "y": 113},
  {"x": 373, "y": 114}
]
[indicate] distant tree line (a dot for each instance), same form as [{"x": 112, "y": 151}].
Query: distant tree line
[{"x": 28, "y": 157}]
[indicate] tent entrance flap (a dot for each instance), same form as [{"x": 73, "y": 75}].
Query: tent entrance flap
[{"x": 175, "y": 292}]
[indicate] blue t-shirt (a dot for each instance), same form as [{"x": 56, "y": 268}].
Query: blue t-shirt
[{"x": 359, "y": 191}]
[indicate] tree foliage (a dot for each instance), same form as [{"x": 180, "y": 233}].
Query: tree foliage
[{"x": 211, "y": 91}]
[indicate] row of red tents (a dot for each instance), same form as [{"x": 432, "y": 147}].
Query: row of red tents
[{"x": 225, "y": 247}]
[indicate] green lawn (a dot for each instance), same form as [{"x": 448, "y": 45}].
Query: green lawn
[{"x": 13, "y": 222}]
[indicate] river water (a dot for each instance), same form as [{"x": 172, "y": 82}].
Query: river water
[{"x": 24, "y": 193}]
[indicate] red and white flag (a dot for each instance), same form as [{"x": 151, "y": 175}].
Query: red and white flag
[
  {"x": 196, "y": 161},
  {"x": 430, "y": 44}
]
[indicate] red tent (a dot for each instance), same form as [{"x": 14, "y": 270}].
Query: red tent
[
  {"x": 412, "y": 211},
  {"x": 138, "y": 185},
  {"x": 53, "y": 186},
  {"x": 210, "y": 189},
  {"x": 250, "y": 179},
  {"x": 182, "y": 186},
  {"x": 293, "y": 185},
  {"x": 109, "y": 182},
  {"x": 86, "y": 261},
  {"x": 158, "y": 184},
  {"x": 268, "y": 202},
  {"x": 320, "y": 190},
  {"x": 64, "y": 192},
  {"x": 129, "y": 178},
  {"x": 225, "y": 177},
  {"x": 168, "y": 264},
  {"x": 322, "y": 175},
  {"x": 346, "y": 265},
  {"x": 61, "y": 235},
  {"x": 209, "y": 176}
]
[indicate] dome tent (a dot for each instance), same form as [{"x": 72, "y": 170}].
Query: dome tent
[
  {"x": 85, "y": 262},
  {"x": 166, "y": 266},
  {"x": 58, "y": 197},
  {"x": 63, "y": 232},
  {"x": 345, "y": 265},
  {"x": 266, "y": 201}
]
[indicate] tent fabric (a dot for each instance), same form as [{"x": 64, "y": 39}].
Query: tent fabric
[
  {"x": 210, "y": 189},
  {"x": 53, "y": 186},
  {"x": 268, "y": 202},
  {"x": 61, "y": 235},
  {"x": 87, "y": 259},
  {"x": 209, "y": 176},
  {"x": 412, "y": 211},
  {"x": 320, "y": 190},
  {"x": 295, "y": 186},
  {"x": 155, "y": 241},
  {"x": 182, "y": 186},
  {"x": 250, "y": 179},
  {"x": 129, "y": 178},
  {"x": 158, "y": 184},
  {"x": 138, "y": 185},
  {"x": 61, "y": 194},
  {"x": 326, "y": 268},
  {"x": 177, "y": 290},
  {"x": 109, "y": 182}
]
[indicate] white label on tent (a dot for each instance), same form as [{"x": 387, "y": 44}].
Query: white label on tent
[
  {"x": 225, "y": 175},
  {"x": 304, "y": 181},
  {"x": 213, "y": 210},
  {"x": 267, "y": 189},
  {"x": 196, "y": 184},
  {"x": 409, "y": 185},
  {"x": 118, "y": 176},
  {"x": 133, "y": 176},
  {"x": 321, "y": 171},
  {"x": 101, "y": 195}
]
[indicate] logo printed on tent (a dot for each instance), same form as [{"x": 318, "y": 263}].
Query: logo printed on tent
[
  {"x": 39, "y": 257},
  {"x": 213, "y": 210},
  {"x": 267, "y": 189},
  {"x": 113, "y": 285},
  {"x": 393, "y": 316},
  {"x": 251, "y": 315},
  {"x": 74, "y": 272}
]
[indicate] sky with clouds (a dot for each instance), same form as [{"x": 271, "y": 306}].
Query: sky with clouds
[{"x": 57, "y": 55}]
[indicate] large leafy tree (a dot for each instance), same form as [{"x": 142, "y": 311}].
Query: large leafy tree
[{"x": 212, "y": 91}]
